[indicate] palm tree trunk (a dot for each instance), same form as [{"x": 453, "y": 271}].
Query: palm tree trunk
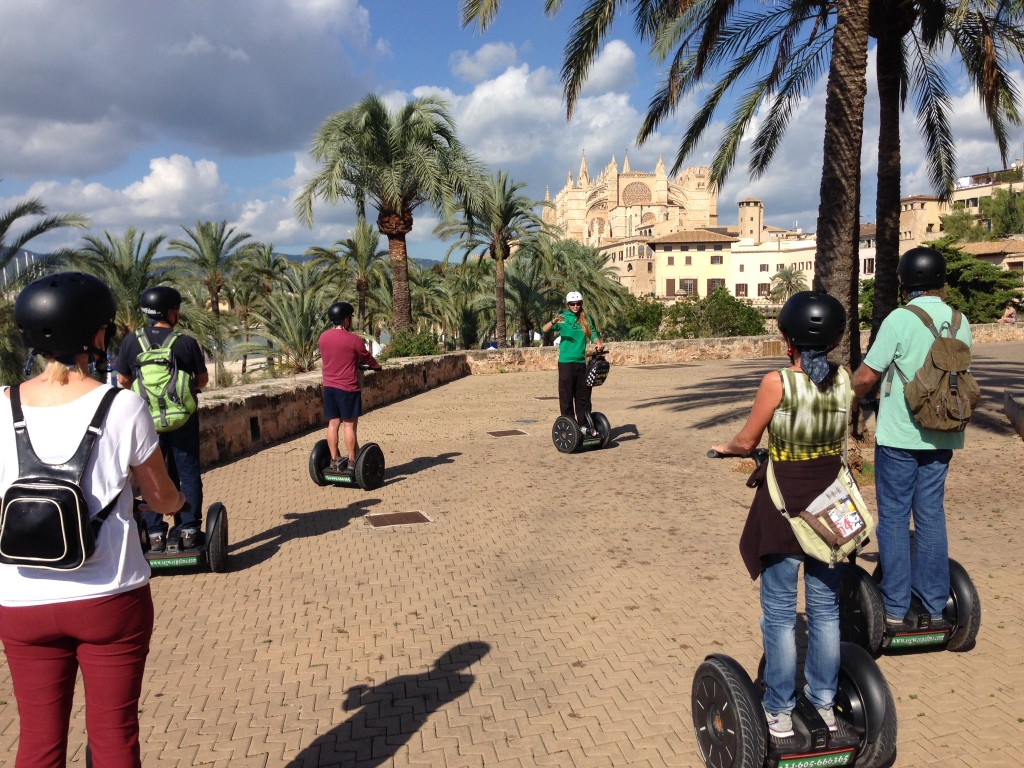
[
  {"x": 835, "y": 260},
  {"x": 395, "y": 226},
  {"x": 887, "y": 196},
  {"x": 500, "y": 322}
]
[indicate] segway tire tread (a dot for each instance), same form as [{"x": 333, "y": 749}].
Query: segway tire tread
[
  {"x": 965, "y": 635},
  {"x": 566, "y": 434},
  {"x": 369, "y": 469},
  {"x": 741, "y": 743},
  {"x": 319, "y": 458},
  {"x": 861, "y": 611},
  {"x": 217, "y": 538},
  {"x": 603, "y": 427},
  {"x": 881, "y": 753}
]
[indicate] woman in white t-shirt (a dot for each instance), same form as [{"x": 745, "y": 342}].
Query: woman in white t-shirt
[{"x": 98, "y": 618}]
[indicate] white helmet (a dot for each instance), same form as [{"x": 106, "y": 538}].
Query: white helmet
[{"x": 573, "y": 296}]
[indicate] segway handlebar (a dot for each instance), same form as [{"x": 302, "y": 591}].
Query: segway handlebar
[{"x": 759, "y": 455}]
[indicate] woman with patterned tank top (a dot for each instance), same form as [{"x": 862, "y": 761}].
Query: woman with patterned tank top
[{"x": 805, "y": 409}]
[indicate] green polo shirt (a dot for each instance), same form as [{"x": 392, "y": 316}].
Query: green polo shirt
[
  {"x": 573, "y": 346},
  {"x": 905, "y": 340}
]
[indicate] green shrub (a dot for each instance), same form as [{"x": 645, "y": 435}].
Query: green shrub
[
  {"x": 409, "y": 344},
  {"x": 717, "y": 315}
]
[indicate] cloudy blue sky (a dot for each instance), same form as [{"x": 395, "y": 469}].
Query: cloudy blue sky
[{"x": 156, "y": 115}]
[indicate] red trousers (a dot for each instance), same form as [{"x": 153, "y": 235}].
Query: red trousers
[{"x": 108, "y": 638}]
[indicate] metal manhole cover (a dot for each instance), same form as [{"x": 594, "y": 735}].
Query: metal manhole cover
[
  {"x": 554, "y": 397},
  {"x": 506, "y": 433},
  {"x": 386, "y": 519},
  {"x": 526, "y": 421}
]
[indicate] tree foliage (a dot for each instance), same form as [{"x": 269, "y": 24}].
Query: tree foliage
[{"x": 714, "y": 316}]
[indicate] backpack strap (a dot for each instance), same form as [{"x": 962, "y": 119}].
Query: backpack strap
[
  {"x": 73, "y": 469},
  {"x": 169, "y": 341},
  {"x": 144, "y": 341},
  {"x": 925, "y": 318}
]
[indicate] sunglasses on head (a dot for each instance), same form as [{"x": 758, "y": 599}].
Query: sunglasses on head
[{"x": 575, "y": 303}]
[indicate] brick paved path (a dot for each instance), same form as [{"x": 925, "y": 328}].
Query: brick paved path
[{"x": 555, "y": 609}]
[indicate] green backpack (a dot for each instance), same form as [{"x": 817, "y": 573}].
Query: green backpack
[{"x": 162, "y": 385}]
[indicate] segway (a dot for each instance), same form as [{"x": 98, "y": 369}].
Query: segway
[
  {"x": 209, "y": 549},
  {"x": 862, "y": 615},
  {"x": 729, "y": 722},
  {"x": 568, "y": 434},
  {"x": 367, "y": 472}
]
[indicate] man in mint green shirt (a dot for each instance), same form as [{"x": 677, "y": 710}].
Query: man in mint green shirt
[
  {"x": 576, "y": 329},
  {"x": 911, "y": 462}
]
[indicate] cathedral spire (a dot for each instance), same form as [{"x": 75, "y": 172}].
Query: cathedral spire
[
  {"x": 583, "y": 175},
  {"x": 625, "y": 164},
  {"x": 659, "y": 169}
]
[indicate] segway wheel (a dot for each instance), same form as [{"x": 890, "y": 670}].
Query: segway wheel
[
  {"x": 603, "y": 427},
  {"x": 863, "y": 697},
  {"x": 369, "y": 470},
  {"x": 861, "y": 613},
  {"x": 727, "y": 717},
  {"x": 319, "y": 458},
  {"x": 963, "y": 609},
  {"x": 566, "y": 434},
  {"x": 217, "y": 537}
]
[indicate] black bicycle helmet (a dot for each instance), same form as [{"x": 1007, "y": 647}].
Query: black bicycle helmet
[
  {"x": 156, "y": 302},
  {"x": 57, "y": 316},
  {"x": 338, "y": 311},
  {"x": 812, "y": 319},
  {"x": 921, "y": 269}
]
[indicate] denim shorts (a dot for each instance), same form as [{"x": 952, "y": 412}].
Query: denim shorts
[{"x": 342, "y": 404}]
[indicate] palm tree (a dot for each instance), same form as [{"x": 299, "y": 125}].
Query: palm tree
[
  {"x": 210, "y": 255},
  {"x": 14, "y": 279},
  {"x": 501, "y": 216},
  {"x": 126, "y": 264},
  {"x": 786, "y": 282},
  {"x": 295, "y": 316},
  {"x": 530, "y": 296},
  {"x": 395, "y": 162},
  {"x": 909, "y": 34},
  {"x": 359, "y": 257},
  {"x": 259, "y": 264}
]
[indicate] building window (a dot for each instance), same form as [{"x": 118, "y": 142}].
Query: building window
[
  {"x": 650, "y": 267},
  {"x": 668, "y": 249},
  {"x": 714, "y": 284},
  {"x": 764, "y": 268},
  {"x": 718, "y": 247},
  {"x": 689, "y": 261},
  {"x": 684, "y": 247},
  {"x": 670, "y": 287},
  {"x": 671, "y": 261},
  {"x": 741, "y": 290},
  {"x": 779, "y": 267},
  {"x": 688, "y": 287},
  {"x": 763, "y": 289},
  {"x": 716, "y": 259},
  {"x": 869, "y": 266},
  {"x": 629, "y": 267},
  {"x": 741, "y": 267}
]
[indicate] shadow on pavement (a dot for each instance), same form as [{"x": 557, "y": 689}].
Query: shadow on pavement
[
  {"x": 625, "y": 432},
  {"x": 393, "y": 474},
  {"x": 390, "y": 713},
  {"x": 299, "y": 525}
]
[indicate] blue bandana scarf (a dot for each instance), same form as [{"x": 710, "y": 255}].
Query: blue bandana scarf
[{"x": 815, "y": 364}]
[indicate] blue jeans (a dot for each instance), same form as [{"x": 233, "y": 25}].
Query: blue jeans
[
  {"x": 181, "y": 452},
  {"x": 905, "y": 482},
  {"x": 778, "y": 625}
]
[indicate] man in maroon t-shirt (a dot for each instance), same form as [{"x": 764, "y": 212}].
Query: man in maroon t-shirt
[{"x": 342, "y": 352}]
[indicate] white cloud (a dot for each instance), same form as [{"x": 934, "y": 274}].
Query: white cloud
[
  {"x": 614, "y": 69},
  {"x": 488, "y": 59}
]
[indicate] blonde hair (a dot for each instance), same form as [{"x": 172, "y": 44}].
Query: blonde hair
[
  {"x": 586, "y": 324},
  {"x": 59, "y": 373}
]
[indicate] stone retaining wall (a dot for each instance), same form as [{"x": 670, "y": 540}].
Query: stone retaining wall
[{"x": 247, "y": 417}]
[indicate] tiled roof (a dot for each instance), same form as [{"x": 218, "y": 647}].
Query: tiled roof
[
  {"x": 992, "y": 247},
  {"x": 693, "y": 236}
]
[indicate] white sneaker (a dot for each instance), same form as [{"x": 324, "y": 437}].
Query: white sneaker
[
  {"x": 780, "y": 726},
  {"x": 829, "y": 716}
]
